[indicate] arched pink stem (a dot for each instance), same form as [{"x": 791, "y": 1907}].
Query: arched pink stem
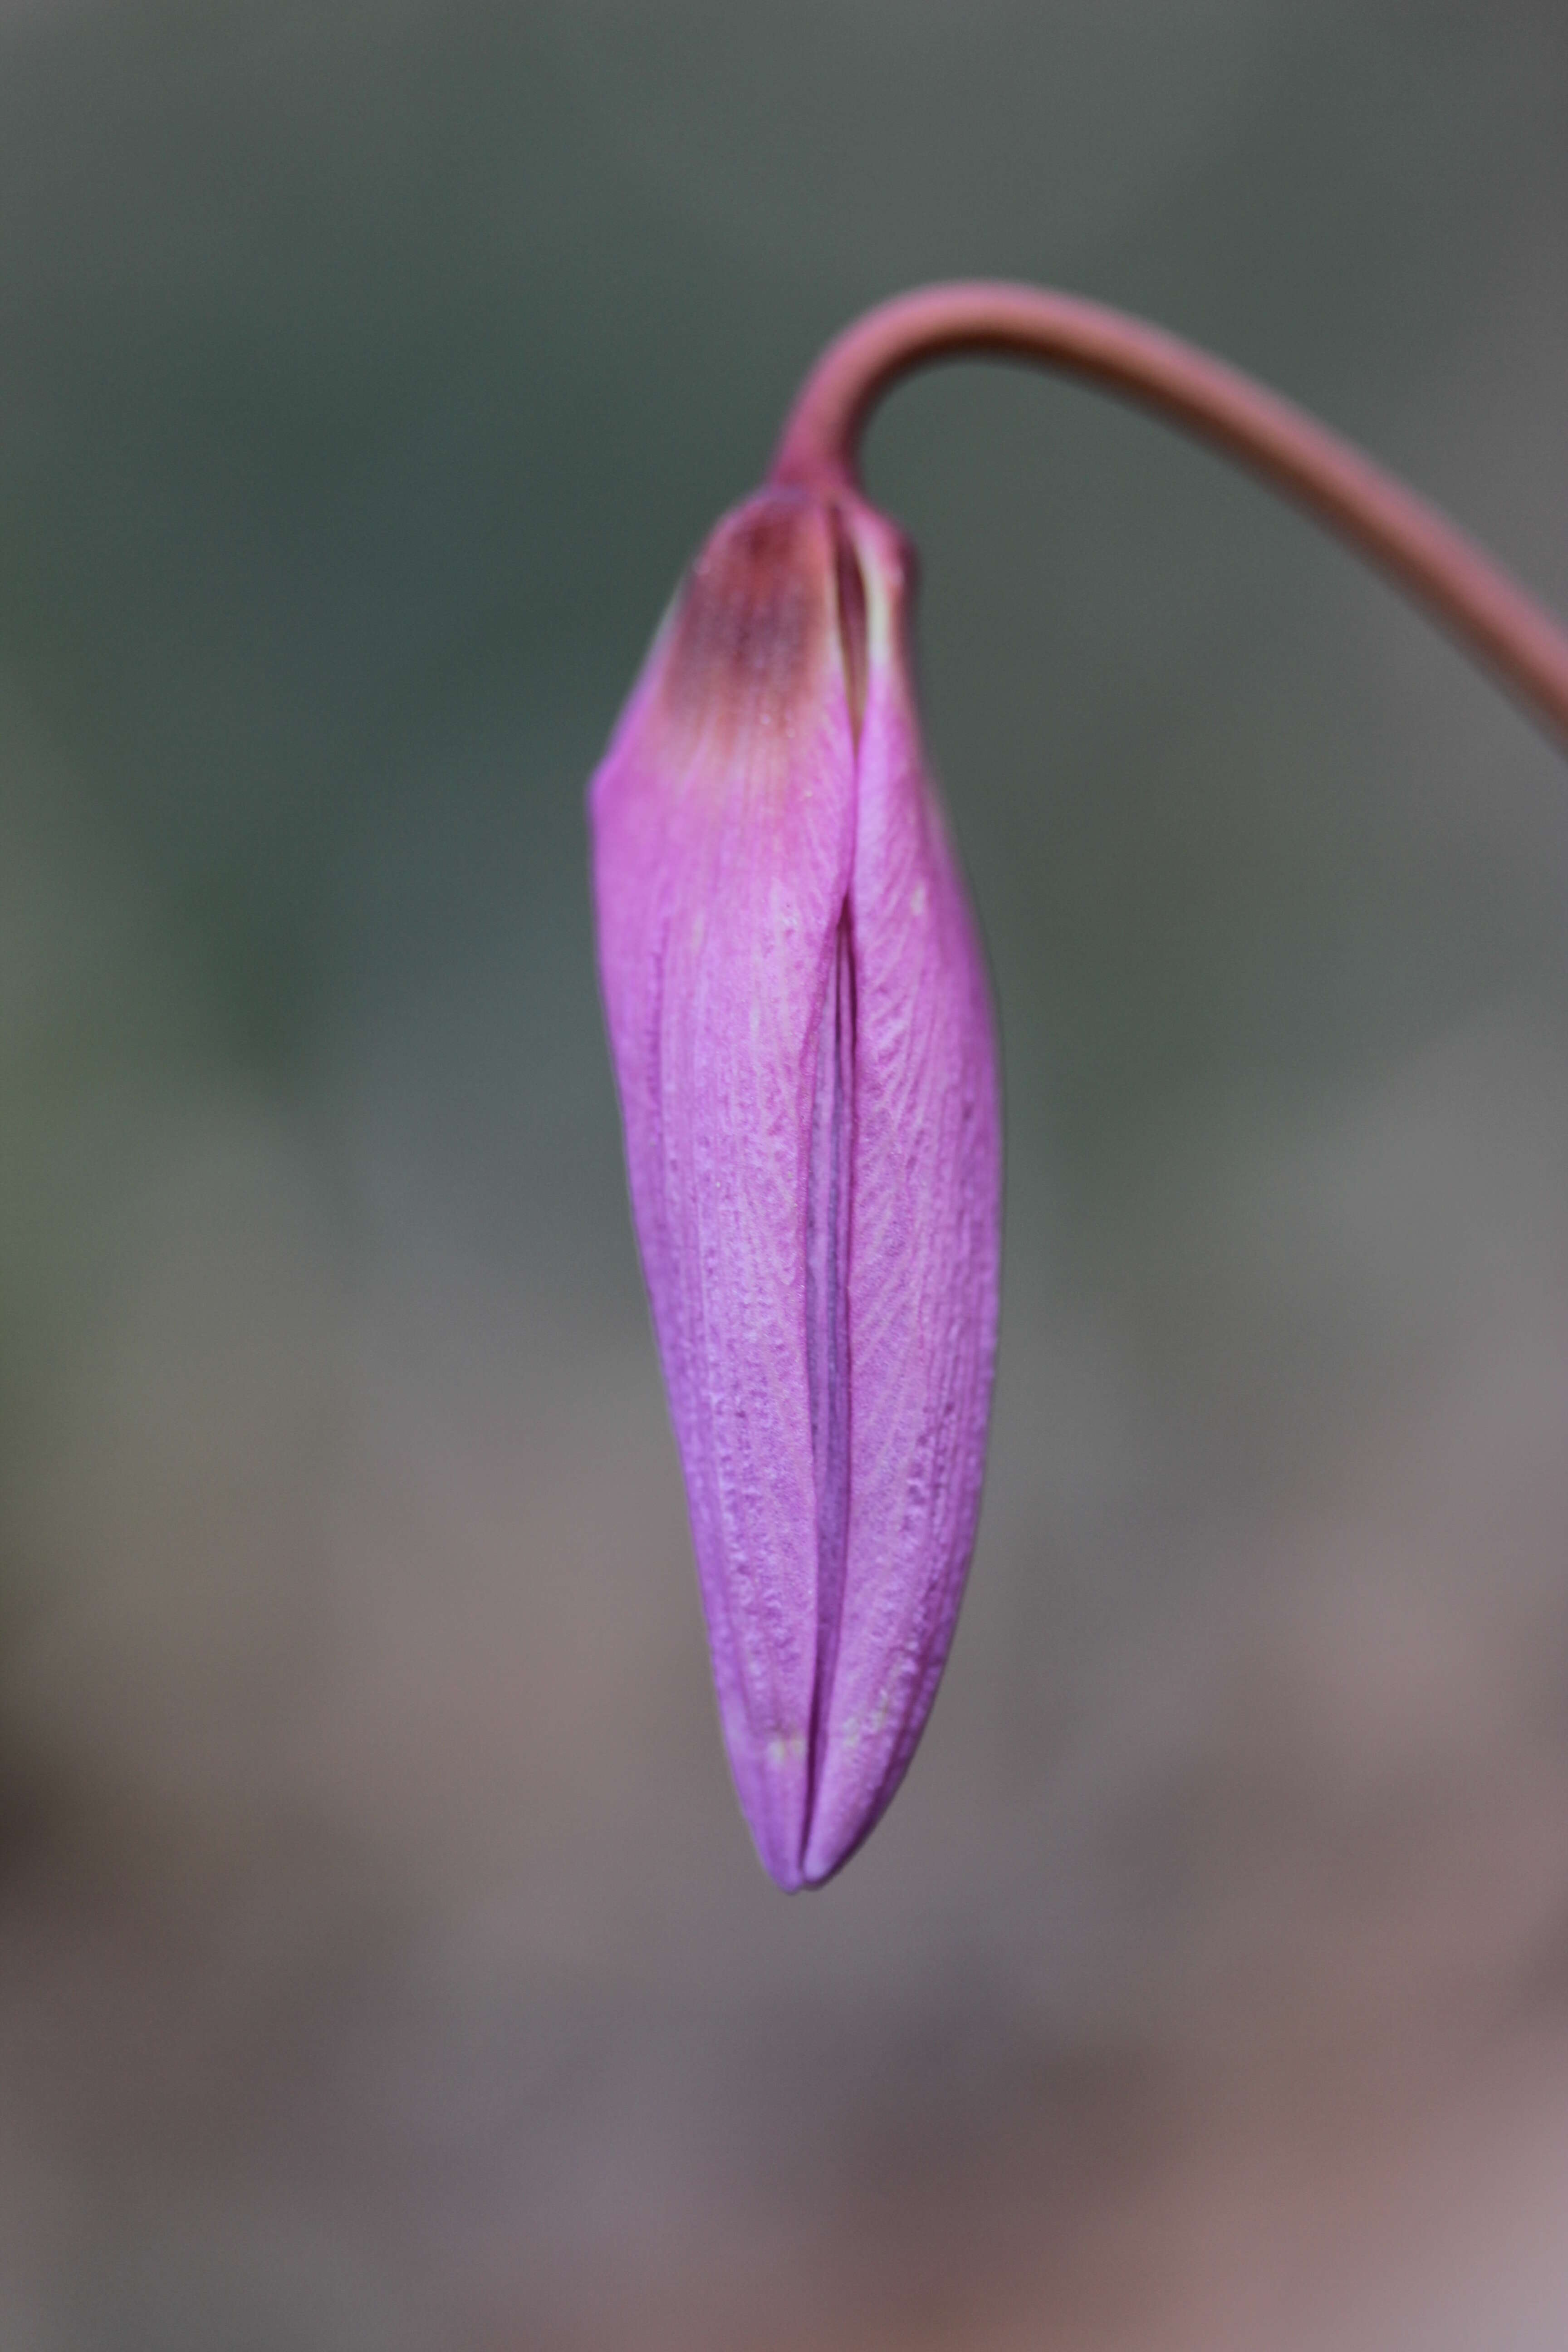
[{"x": 1425, "y": 555}]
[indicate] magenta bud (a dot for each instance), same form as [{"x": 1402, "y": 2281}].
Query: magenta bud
[{"x": 802, "y": 1033}]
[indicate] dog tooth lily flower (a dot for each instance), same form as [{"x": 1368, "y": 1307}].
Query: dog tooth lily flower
[
  {"x": 802, "y": 1033},
  {"x": 801, "y": 1026}
]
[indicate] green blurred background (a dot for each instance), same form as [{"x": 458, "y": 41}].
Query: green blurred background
[{"x": 383, "y": 1962}]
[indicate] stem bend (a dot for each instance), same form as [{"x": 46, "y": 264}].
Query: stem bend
[{"x": 1490, "y": 615}]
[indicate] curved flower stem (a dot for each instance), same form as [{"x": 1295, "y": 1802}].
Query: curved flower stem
[{"x": 1425, "y": 554}]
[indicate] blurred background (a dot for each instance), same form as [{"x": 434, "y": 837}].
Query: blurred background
[{"x": 383, "y": 1960}]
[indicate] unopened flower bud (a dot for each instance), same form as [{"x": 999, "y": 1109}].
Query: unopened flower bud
[{"x": 802, "y": 1033}]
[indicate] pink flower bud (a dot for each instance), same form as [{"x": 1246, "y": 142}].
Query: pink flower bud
[{"x": 802, "y": 1033}]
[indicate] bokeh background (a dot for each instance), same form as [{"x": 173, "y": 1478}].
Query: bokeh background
[{"x": 383, "y": 1962}]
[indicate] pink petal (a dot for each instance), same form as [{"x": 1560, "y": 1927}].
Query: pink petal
[
  {"x": 722, "y": 820},
  {"x": 924, "y": 1255}
]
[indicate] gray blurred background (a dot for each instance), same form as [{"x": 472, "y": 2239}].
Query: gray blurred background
[{"x": 383, "y": 1967}]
